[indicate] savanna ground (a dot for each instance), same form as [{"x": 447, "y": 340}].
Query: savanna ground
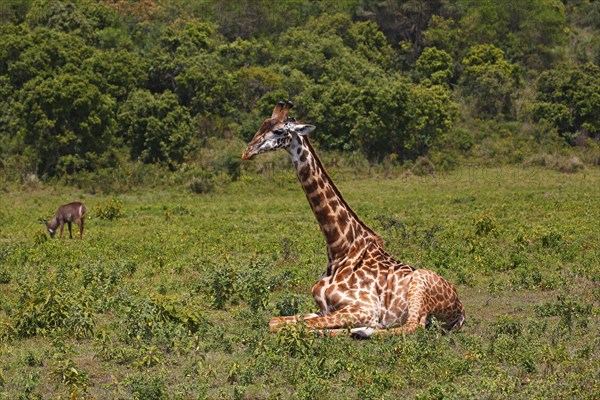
[{"x": 169, "y": 294}]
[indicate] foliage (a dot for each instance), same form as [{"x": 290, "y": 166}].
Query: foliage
[
  {"x": 568, "y": 98},
  {"x": 445, "y": 34},
  {"x": 179, "y": 306},
  {"x": 158, "y": 129},
  {"x": 111, "y": 209},
  {"x": 148, "y": 387},
  {"x": 432, "y": 114},
  {"x": 116, "y": 72},
  {"x": 435, "y": 66},
  {"x": 43, "y": 310},
  {"x": 526, "y": 31},
  {"x": 67, "y": 122},
  {"x": 490, "y": 80},
  {"x": 85, "y": 83},
  {"x": 370, "y": 117},
  {"x": 222, "y": 289},
  {"x": 202, "y": 183}
]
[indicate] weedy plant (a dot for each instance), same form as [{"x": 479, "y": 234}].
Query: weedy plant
[
  {"x": 111, "y": 209},
  {"x": 151, "y": 308}
]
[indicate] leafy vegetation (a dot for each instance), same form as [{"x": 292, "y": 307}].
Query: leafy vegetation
[
  {"x": 91, "y": 86},
  {"x": 172, "y": 299},
  {"x": 449, "y": 125}
]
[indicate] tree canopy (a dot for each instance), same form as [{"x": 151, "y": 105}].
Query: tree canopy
[{"x": 81, "y": 81}]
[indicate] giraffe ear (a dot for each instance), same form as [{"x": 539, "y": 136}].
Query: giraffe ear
[{"x": 303, "y": 130}]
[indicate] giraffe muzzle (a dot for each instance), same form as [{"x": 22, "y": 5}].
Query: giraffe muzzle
[{"x": 248, "y": 154}]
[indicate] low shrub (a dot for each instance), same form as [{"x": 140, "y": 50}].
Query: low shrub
[
  {"x": 111, "y": 209},
  {"x": 44, "y": 309},
  {"x": 557, "y": 162},
  {"x": 202, "y": 183},
  {"x": 569, "y": 310},
  {"x": 148, "y": 387},
  {"x": 4, "y": 276}
]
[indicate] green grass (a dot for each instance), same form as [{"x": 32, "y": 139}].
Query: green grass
[{"x": 172, "y": 300}]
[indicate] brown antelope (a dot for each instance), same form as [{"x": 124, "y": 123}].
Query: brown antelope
[{"x": 69, "y": 213}]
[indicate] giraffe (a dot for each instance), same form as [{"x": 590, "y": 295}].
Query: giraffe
[{"x": 364, "y": 290}]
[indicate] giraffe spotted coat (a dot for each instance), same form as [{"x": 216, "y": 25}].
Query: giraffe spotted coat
[{"x": 364, "y": 287}]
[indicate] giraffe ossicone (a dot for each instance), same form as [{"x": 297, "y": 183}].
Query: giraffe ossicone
[{"x": 364, "y": 290}]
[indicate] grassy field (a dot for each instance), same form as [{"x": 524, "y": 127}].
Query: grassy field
[{"x": 170, "y": 299}]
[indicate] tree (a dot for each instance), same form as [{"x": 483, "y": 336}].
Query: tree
[
  {"x": 434, "y": 66},
  {"x": 189, "y": 38},
  {"x": 83, "y": 18},
  {"x": 59, "y": 15},
  {"x": 381, "y": 110},
  {"x": 400, "y": 20},
  {"x": 156, "y": 127},
  {"x": 241, "y": 53},
  {"x": 256, "y": 82},
  {"x": 363, "y": 38},
  {"x": 116, "y": 72},
  {"x": 26, "y": 54},
  {"x": 489, "y": 80},
  {"x": 445, "y": 34},
  {"x": 384, "y": 115},
  {"x": 568, "y": 97},
  {"x": 431, "y": 114},
  {"x": 8, "y": 118},
  {"x": 527, "y": 31},
  {"x": 67, "y": 122},
  {"x": 206, "y": 86}
]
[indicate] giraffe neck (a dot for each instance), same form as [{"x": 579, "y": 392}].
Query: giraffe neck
[{"x": 342, "y": 228}]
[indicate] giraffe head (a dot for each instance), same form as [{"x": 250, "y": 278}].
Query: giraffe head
[{"x": 276, "y": 132}]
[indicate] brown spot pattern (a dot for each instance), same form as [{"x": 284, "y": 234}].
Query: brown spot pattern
[{"x": 364, "y": 286}]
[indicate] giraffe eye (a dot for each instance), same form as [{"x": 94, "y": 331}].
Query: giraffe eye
[{"x": 279, "y": 131}]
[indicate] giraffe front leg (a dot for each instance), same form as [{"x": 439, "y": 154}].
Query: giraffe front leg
[
  {"x": 276, "y": 323},
  {"x": 347, "y": 317},
  {"x": 350, "y": 316}
]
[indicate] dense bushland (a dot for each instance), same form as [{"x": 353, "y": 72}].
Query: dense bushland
[{"x": 90, "y": 87}]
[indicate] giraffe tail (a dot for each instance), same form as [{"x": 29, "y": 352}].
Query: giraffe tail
[
  {"x": 458, "y": 325},
  {"x": 455, "y": 324}
]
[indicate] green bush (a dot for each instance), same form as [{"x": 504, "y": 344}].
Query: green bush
[
  {"x": 567, "y": 97},
  {"x": 490, "y": 80},
  {"x": 485, "y": 225},
  {"x": 5, "y": 276},
  {"x": 148, "y": 387},
  {"x": 203, "y": 182},
  {"x": 255, "y": 287},
  {"x": 295, "y": 340},
  {"x": 69, "y": 373},
  {"x": 435, "y": 66},
  {"x": 111, "y": 210},
  {"x": 229, "y": 163},
  {"x": 45, "y": 309},
  {"x": 289, "y": 304},
  {"x": 431, "y": 114},
  {"x": 158, "y": 128},
  {"x": 222, "y": 287}
]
